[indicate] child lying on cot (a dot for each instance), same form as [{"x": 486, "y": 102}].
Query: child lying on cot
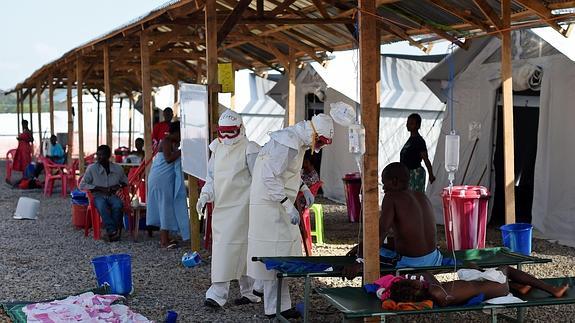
[{"x": 459, "y": 292}]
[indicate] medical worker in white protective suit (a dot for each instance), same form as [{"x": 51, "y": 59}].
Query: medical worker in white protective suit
[
  {"x": 228, "y": 186},
  {"x": 276, "y": 180}
]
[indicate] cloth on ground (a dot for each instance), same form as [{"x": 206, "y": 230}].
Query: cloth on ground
[
  {"x": 85, "y": 307},
  {"x": 392, "y": 305},
  {"x": 295, "y": 266}
]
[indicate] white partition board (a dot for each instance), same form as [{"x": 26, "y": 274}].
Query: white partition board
[{"x": 194, "y": 129}]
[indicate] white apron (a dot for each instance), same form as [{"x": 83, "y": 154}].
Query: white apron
[
  {"x": 270, "y": 232},
  {"x": 230, "y": 216}
]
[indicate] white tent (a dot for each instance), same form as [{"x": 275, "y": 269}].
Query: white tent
[
  {"x": 402, "y": 93},
  {"x": 476, "y": 82}
]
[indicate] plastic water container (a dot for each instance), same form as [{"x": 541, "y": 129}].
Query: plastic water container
[
  {"x": 191, "y": 259},
  {"x": 79, "y": 215},
  {"x": 352, "y": 184},
  {"x": 517, "y": 237},
  {"x": 27, "y": 208},
  {"x": 465, "y": 216},
  {"x": 116, "y": 271},
  {"x": 171, "y": 316}
]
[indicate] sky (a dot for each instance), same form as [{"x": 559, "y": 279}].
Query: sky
[{"x": 35, "y": 32}]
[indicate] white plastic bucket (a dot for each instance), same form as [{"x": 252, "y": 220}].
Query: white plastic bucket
[{"x": 27, "y": 208}]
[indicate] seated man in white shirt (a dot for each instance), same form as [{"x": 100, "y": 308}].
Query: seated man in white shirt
[{"x": 104, "y": 179}]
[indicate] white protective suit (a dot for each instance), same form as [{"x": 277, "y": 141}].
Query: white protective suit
[
  {"x": 228, "y": 186},
  {"x": 276, "y": 175}
]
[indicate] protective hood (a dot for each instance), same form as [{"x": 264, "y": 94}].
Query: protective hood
[{"x": 296, "y": 136}]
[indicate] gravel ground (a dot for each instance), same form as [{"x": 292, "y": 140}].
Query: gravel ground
[{"x": 48, "y": 258}]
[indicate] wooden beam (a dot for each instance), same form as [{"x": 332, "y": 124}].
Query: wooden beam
[
  {"x": 70, "y": 109},
  {"x": 109, "y": 94},
  {"x": 397, "y": 31},
  {"x": 489, "y": 13},
  {"x": 291, "y": 102},
  {"x": 31, "y": 123},
  {"x": 311, "y": 40},
  {"x": 508, "y": 133},
  {"x": 51, "y": 95},
  {"x": 310, "y": 51},
  {"x": 543, "y": 12},
  {"x": 464, "y": 15},
  {"x": 369, "y": 99},
  {"x": 232, "y": 20},
  {"x": 130, "y": 119},
  {"x": 281, "y": 8},
  {"x": 80, "y": 109},
  {"x": 321, "y": 8},
  {"x": 39, "y": 108},
  {"x": 212, "y": 62},
  {"x": 146, "y": 94},
  {"x": 18, "y": 109},
  {"x": 260, "y": 8}
]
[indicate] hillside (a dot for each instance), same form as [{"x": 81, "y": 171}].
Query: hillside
[{"x": 8, "y": 103}]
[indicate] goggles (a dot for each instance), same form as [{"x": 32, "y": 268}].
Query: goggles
[
  {"x": 318, "y": 141},
  {"x": 228, "y": 132}
]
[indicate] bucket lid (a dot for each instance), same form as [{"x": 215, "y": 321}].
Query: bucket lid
[
  {"x": 467, "y": 191},
  {"x": 352, "y": 176}
]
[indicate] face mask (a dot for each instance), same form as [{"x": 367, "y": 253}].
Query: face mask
[{"x": 229, "y": 141}]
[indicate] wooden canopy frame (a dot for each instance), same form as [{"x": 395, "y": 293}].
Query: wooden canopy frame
[{"x": 184, "y": 40}]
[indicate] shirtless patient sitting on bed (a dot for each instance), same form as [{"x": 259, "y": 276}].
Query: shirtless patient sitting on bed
[
  {"x": 409, "y": 216},
  {"x": 458, "y": 292}
]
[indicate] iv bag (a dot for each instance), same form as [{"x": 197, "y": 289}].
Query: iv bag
[
  {"x": 451, "y": 153},
  {"x": 357, "y": 139}
]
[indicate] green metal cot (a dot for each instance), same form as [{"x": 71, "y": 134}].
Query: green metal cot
[
  {"x": 484, "y": 258},
  {"x": 354, "y": 302}
]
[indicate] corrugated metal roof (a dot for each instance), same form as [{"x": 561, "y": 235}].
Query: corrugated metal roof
[{"x": 415, "y": 17}]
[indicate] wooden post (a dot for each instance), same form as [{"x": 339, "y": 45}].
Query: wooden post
[
  {"x": 109, "y": 95},
  {"x": 508, "y": 133},
  {"x": 212, "y": 63},
  {"x": 146, "y": 95},
  {"x": 176, "y": 108},
  {"x": 370, "y": 78},
  {"x": 18, "y": 97},
  {"x": 31, "y": 121},
  {"x": 69, "y": 80},
  {"x": 79, "y": 88},
  {"x": 39, "y": 108},
  {"x": 51, "y": 95},
  {"x": 130, "y": 119},
  {"x": 291, "y": 102}
]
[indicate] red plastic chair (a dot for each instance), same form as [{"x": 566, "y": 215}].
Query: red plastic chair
[
  {"x": 93, "y": 216},
  {"x": 9, "y": 162},
  {"x": 53, "y": 172},
  {"x": 305, "y": 223},
  {"x": 71, "y": 175}
]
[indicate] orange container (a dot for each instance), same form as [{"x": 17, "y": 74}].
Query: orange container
[{"x": 79, "y": 214}]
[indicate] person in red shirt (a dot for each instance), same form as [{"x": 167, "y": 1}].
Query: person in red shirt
[{"x": 161, "y": 129}]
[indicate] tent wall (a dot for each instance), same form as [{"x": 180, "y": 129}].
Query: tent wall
[
  {"x": 402, "y": 93},
  {"x": 554, "y": 192},
  {"x": 474, "y": 103}
]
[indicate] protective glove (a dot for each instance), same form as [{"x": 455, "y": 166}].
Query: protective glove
[
  {"x": 309, "y": 198},
  {"x": 291, "y": 211},
  {"x": 202, "y": 201}
]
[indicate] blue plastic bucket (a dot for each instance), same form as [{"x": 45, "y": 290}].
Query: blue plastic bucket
[
  {"x": 517, "y": 237},
  {"x": 116, "y": 271}
]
